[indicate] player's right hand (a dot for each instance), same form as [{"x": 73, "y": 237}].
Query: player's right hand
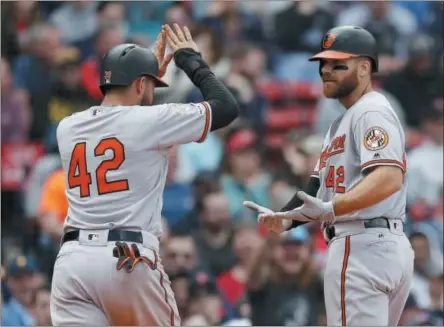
[
  {"x": 268, "y": 218},
  {"x": 179, "y": 38},
  {"x": 159, "y": 52}
]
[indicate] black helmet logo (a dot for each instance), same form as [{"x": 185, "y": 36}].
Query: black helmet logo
[
  {"x": 329, "y": 38},
  {"x": 107, "y": 77}
]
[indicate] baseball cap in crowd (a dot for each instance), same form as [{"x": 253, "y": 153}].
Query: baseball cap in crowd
[
  {"x": 299, "y": 234},
  {"x": 21, "y": 265},
  {"x": 241, "y": 140},
  {"x": 202, "y": 284}
]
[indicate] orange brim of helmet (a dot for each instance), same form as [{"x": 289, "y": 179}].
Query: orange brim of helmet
[
  {"x": 159, "y": 82},
  {"x": 330, "y": 54}
]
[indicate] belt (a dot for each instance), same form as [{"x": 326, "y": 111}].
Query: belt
[
  {"x": 379, "y": 222},
  {"x": 113, "y": 236}
]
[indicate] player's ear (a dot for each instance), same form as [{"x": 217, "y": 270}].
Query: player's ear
[
  {"x": 141, "y": 85},
  {"x": 364, "y": 68}
]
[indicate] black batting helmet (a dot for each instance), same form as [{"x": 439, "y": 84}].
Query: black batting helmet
[
  {"x": 345, "y": 42},
  {"x": 124, "y": 63}
]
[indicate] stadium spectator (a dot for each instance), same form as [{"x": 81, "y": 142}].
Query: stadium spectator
[
  {"x": 248, "y": 69},
  {"x": 113, "y": 13},
  {"x": 211, "y": 48},
  {"x": 283, "y": 286},
  {"x": 31, "y": 69},
  {"x": 21, "y": 283},
  {"x": 51, "y": 216},
  {"x": 40, "y": 306},
  {"x": 426, "y": 266},
  {"x": 178, "y": 197},
  {"x": 53, "y": 205},
  {"x": 68, "y": 96},
  {"x": 75, "y": 20},
  {"x": 17, "y": 19},
  {"x": 205, "y": 298},
  {"x": 106, "y": 37},
  {"x": 44, "y": 167},
  {"x": 180, "y": 284},
  {"x": 231, "y": 283},
  {"x": 427, "y": 173},
  {"x": 178, "y": 13},
  {"x": 15, "y": 114},
  {"x": 180, "y": 253},
  {"x": 244, "y": 177},
  {"x": 297, "y": 30},
  {"x": 234, "y": 25},
  {"x": 214, "y": 237},
  {"x": 419, "y": 83},
  {"x": 392, "y": 26}
]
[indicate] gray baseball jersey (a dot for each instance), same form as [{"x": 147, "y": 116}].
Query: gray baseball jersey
[
  {"x": 368, "y": 134},
  {"x": 115, "y": 161}
]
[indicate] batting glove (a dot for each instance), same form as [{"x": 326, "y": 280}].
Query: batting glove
[
  {"x": 313, "y": 209},
  {"x": 129, "y": 257}
]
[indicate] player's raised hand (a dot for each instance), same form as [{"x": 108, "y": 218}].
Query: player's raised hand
[
  {"x": 179, "y": 38},
  {"x": 159, "y": 52}
]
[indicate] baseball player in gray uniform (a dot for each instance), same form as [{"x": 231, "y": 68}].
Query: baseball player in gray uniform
[
  {"x": 357, "y": 191},
  {"x": 115, "y": 158}
]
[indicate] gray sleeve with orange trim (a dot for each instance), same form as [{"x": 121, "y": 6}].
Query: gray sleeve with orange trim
[
  {"x": 379, "y": 140},
  {"x": 182, "y": 123}
]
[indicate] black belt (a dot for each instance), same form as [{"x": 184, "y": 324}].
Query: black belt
[
  {"x": 379, "y": 222},
  {"x": 113, "y": 236}
]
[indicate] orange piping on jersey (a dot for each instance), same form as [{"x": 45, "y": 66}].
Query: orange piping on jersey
[
  {"x": 343, "y": 279},
  {"x": 207, "y": 123},
  {"x": 383, "y": 162},
  {"x": 161, "y": 280}
]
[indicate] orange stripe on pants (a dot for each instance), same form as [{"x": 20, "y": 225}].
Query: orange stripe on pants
[{"x": 343, "y": 272}]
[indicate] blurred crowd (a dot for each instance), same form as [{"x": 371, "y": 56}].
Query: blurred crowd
[{"x": 223, "y": 268}]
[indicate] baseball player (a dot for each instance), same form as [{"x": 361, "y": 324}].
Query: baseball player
[
  {"x": 357, "y": 191},
  {"x": 115, "y": 158}
]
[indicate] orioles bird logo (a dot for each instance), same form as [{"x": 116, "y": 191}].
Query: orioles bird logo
[
  {"x": 107, "y": 77},
  {"x": 328, "y": 40}
]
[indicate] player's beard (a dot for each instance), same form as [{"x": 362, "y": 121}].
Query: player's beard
[{"x": 347, "y": 86}]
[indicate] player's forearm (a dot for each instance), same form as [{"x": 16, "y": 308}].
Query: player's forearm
[
  {"x": 382, "y": 182},
  {"x": 311, "y": 189},
  {"x": 224, "y": 107}
]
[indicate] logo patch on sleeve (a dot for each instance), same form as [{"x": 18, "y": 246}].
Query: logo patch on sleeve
[{"x": 376, "y": 138}]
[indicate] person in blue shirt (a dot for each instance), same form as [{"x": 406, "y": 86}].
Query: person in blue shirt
[
  {"x": 20, "y": 274},
  {"x": 244, "y": 177}
]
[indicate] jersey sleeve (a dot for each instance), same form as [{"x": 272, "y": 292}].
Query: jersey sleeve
[
  {"x": 379, "y": 141},
  {"x": 315, "y": 172},
  {"x": 183, "y": 123}
]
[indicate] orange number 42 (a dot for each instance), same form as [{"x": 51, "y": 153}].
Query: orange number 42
[
  {"x": 78, "y": 175},
  {"x": 335, "y": 178}
]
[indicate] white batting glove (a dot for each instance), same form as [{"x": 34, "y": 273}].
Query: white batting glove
[
  {"x": 313, "y": 209},
  {"x": 268, "y": 218}
]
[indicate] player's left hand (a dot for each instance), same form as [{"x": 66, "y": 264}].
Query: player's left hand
[
  {"x": 159, "y": 52},
  {"x": 313, "y": 209}
]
